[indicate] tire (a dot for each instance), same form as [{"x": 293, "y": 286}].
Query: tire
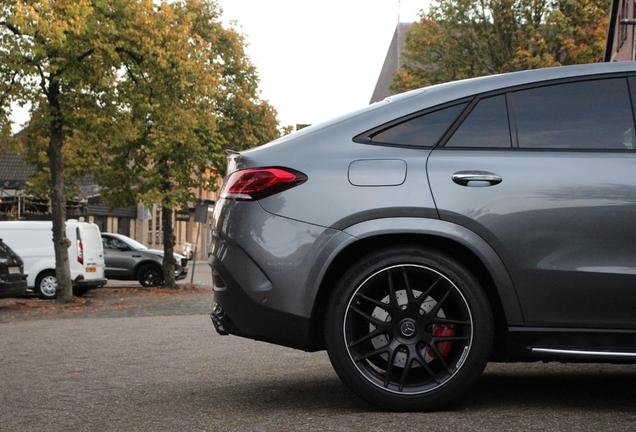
[
  {"x": 80, "y": 291},
  {"x": 150, "y": 275},
  {"x": 408, "y": 329},
  {"x": 46, "y": 285}
]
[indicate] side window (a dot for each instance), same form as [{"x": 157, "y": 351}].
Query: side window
[
  {"x": 106, "y": 243},
  {"x": 486, "y": 126},
  {"x": 423, "y": 131},
  {"x": 594, "y": 115}
]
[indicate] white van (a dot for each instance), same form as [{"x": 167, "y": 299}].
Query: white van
[{"x": 33, "y": 241}]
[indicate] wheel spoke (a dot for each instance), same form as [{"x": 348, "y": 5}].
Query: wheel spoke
[
  {"x": 366, "y": 337},
  {"x": 373, "y": 320},
  {"x": 422, "y": 298},
  {"x": 440, "y": 302},
  {"x": 393, "y": 301},
  {"x": 409, "y": 291},
  {"x": 440, "y": 358},
  {"x": 440, "y": 320},
  {"x": 382, "y": 350},
  {"x": 389, "y": 367},
  {"x": 422, "y": 362},
  {"x": 373, "y": 301},
  {"x": 405, "y": 373}
]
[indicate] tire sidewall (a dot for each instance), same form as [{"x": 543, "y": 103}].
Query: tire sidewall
[
  {"x": 477, "y": 357},
  {"x": 144, "y": 269},
  {"x": 38, "y": 285}
]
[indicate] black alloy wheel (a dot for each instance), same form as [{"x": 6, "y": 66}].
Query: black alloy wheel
[
  {"x": 150, "y": 275},
  {"x": 409, "y": 329}
]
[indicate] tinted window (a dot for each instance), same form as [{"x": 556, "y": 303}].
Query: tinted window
[
  {"x": 581, "y": 115},
  {"x": 6, "y": 251},
  {"x": 485, "y": 126},
  {"x": 422, "y": 131}
]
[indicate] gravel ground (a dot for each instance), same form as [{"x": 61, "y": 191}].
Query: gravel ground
[
  {"x": 126, "y": 358},
  {"x": 193, "y": 296}
]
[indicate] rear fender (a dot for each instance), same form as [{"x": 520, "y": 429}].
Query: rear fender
[{"x": 470, "y": 240}]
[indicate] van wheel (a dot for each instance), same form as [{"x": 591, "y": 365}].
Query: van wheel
[
  {"x": 46, "y": 285},
  {"x": 150, "y": 275}
]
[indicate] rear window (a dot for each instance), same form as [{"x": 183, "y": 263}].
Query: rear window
[
  {"x": 6, "y": 251},
  {"x": 423, "y": 131}
]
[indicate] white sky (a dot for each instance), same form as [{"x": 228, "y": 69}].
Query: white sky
[{"x": 315, "y": 60}]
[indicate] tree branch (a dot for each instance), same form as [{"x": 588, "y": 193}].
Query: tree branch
[
  {"x": 136, "y": 58},
  {"x": 86, "y": 54},
  {"x": 16, "y": 31}
]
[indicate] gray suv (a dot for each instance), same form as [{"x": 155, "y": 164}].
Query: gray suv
[
  {"x": 421, "y": 237},
  {"x": 127, "y": 259}
]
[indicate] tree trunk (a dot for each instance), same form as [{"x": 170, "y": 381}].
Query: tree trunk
[
  {"x": 61, "y": 243},
  {"x": 168, "y": 247}
]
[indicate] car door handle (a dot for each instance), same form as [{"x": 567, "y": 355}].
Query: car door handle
[{"x": 476, "y": 178}]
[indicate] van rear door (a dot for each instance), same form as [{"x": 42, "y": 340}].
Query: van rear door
[{"x": 90, "y": 253}]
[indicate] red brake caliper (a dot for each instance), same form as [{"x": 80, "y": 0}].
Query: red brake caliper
[{"x": 443, "y": 347}]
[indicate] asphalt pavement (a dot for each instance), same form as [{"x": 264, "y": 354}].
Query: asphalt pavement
[{"x": 167, "y": 370}]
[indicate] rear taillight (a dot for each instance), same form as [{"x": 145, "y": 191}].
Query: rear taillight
[
  {"x": 80, "y": 252},
  {"x": 255, "y": 184}
]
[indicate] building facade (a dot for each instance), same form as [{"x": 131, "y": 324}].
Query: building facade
[
  {"x": 620, "y": 44},
  {"x": 142, "y": 224}
]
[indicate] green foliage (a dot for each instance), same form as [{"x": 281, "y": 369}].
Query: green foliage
[
  {"x": 150, "y": 95},
  {"x": 143, "y": 95},
  {"x": 459, "y": 39},
  {"x": 188, "y": 92},
  {"x": 56, "y": 55}
]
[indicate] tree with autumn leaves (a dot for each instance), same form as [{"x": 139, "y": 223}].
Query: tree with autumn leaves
[
  {"x": 459, "y": 39},
  {"x": 145, "y": 96}
]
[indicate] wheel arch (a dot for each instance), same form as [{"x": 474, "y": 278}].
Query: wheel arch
[
  {"x": 37, "y": 271},
  {"x": 44, "y": 270},
  {"x": 455, "y": 241},
  {"x": 140, "y": 264}
]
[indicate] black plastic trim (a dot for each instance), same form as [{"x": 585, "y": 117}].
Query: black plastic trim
[
  {"x": 385, "y": 213},
  {"x": 253, "y": 320},
  {"x": 561, "y": 344}
]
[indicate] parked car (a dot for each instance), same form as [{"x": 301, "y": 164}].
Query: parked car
[
  {"x": 33, "y": 242},
  {"x": 188, "y": 250},
  {"x": 127, "y": 259},
  {"x": 490, "y": 219},
  {"x": 12, "y": 280}
]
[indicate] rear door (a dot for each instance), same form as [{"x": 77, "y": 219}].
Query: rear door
[
  {"x": 547, "y": 176},
  {"x": 92, "y": 250},
  {"x": 120, "y": 259}
]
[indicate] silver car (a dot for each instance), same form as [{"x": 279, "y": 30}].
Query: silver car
[
  {"x": 127, "y": 259},
  {"x": 421, "y": 237}
]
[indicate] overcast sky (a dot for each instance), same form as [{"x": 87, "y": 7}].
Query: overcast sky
[{"x": 315, "y": 60}]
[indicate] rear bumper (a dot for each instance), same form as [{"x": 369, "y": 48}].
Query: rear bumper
[
  {"x": 240, "y": 315},
  {"x": 12, "y": 289},
  {"x": 80, "y": 282},
  {"x": 182, "y": 275},
  {"x": 266, "y": 272}
]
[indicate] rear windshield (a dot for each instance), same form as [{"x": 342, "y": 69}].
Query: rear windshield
[{"x": 6, "y": 251}]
